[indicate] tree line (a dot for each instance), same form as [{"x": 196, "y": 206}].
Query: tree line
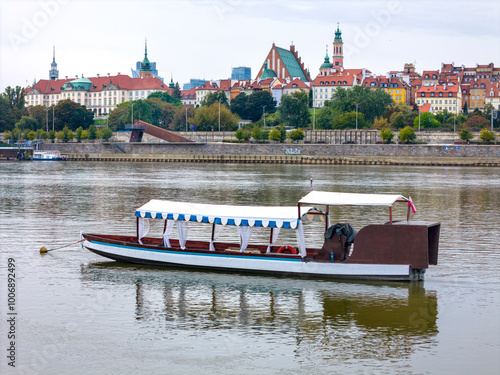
[{"x": 358, "y": 107}]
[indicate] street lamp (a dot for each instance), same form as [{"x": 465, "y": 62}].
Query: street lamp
[
  {"x": 219, "y": 115},
  {"x": 47, "y": 119},
  {"x": 186, "y": 119},
  {"x": 53, "y": 118},
  {"x": 419, "y": 119},
  {"x": 264, "y": 113},
  {"x": 356, "y": 116},
  {"x": 133, "y": 114}
]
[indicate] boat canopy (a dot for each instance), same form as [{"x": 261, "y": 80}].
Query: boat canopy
[
  {"x": 258, "y": 216},
  {"x": 351, "y": 199}
]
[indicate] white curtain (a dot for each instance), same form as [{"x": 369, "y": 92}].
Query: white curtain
[
  {"x": 167, "y": 233},
  {"x": 216, "y": 233},
  {"x": 245, "y": 234},
  {"x": 276, "y": 232},
  {"x": 301, "y": 240},
  {"x": 182, "y": 230},
  {"x": 143, "y": 228}
]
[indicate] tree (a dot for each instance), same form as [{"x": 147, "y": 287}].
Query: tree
[
  {"x": 107, "y": 133},
  {"x": 488, "y": 107},
  {"x": 348, "y": 121},
  {"x": 118, "y": 116},
  {"x": 475, "y": 122},
  {"x": 92, "y": 132},
  {"x": 387, "y": 135},
  {"x": 16, "y": 97},
  {"x": 294, "y": 109},
  {"x": 486, "y": 136},
  {"x": 165, "y": 97},
  {"x": 71, "y": 114},
  {"x": 465, "y": 110},
  {"x": 208, "y": 118},
  {"x": 427, "y": 121},
  {"x": 214, "y": 97},
  {"x": 296, "y": 135},
  {"x": 465, "y": 135},
  {"x": 39, "y": 113},
  {"x": 371, "y": 103},
  {"x": 65, "y": 134},
  {"x": 7, "y": 118},
  {"x": 325, "y": 117},
  {"x": 27, "y": 122},
  {"x": 242, "y": 135},
  {"x": 259, "y": 134},
  {"x": 176, "y": 92},
  {"x": 380, "y": 123},
  {"x": 398, "y": 120},
  {"x": 275, "y": 135},
  {"x": 239, "y": 105},
  {"x": 78, "y": 134},
  {"x": 257, "y": 102},
  {"x": 407, "y": 135}
]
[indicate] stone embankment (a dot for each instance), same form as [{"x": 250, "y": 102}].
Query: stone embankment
[{"x": 371, "y": 154}]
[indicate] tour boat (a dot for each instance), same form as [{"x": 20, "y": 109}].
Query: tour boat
[
  {"x": 393, "y": 250},
  {"x": 47, "y": 155}
]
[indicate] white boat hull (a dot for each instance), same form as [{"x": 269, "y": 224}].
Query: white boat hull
[{"x": 293, "y": 266}]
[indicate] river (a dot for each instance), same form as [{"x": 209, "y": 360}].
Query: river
[{"x": 78, "y": 313}]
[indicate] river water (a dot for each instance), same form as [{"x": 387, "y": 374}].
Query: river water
[{"x": 78, "y": 313}]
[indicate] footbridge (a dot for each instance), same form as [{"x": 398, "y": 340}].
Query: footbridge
[{"x": 140, "y": 127}]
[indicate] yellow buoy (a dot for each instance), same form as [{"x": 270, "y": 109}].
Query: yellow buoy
[{"x": 43, "y": 249}]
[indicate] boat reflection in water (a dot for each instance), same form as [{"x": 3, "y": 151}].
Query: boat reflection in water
[{"x": 335, "y": 318}]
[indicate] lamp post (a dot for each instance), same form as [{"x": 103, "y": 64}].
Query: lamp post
[
  {"x": 47, "y": 119},
  {"x": 264, "y": 113},
  {"x": 219, "y": 115},
  {"x": 186, "y": 119},
  {"x": 133, "y": 114},
  {"x": 419, "y": 119},
  {"x": 356, "y": 116},
  {"x": 53, "y": 118}
]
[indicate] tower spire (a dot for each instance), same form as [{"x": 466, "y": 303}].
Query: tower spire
[{"x": 53, "y": 72}]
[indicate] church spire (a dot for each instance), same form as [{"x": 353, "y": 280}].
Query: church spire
[
  {"x": 145, "y": 65},
  {"x": 53, "y": 72}
]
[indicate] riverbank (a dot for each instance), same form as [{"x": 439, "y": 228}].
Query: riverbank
[
  {"x": 216, "y": 152},
  {"x": 289, "y": 159}
]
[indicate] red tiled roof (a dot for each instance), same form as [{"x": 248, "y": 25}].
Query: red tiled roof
[
  {"x": 122, "y": 81},
  {"x": 425, "y": 108},
  {"x": 345, "y": 80},
  {"x": 298, "y": 84},
  {"x": 188, "y": 94},
  {"x": 446, "y": 90}
]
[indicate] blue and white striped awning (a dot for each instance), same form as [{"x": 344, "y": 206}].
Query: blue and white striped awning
[{"x": 263, "y": 216}]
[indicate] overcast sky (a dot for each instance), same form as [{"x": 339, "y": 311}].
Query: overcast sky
[{"x": 205, "y": 38}]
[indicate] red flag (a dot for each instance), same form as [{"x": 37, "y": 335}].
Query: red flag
[{"x": 412, "y": 205}]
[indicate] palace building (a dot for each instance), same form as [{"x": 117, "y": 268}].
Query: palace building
[{"x": 101, "y": 94}]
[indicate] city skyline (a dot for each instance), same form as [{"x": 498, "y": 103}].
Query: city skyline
[{"x": 205, "y": 39}]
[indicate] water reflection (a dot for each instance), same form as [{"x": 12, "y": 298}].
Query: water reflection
[{"x": 329, "y": 316}]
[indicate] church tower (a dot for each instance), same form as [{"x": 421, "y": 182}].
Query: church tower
[
  {"x": 53, "y": 73},
  {"x": 338, "y": 50},
  {"x": 327, "y": 66},
  {"x": 146, "y": 70}
]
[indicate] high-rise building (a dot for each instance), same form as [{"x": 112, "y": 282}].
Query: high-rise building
[
  {"x": 241, "y": 73},
  {"x": 193, "y": 83}
]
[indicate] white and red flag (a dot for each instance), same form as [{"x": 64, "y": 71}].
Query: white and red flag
[{"x": 412, "y": 205}]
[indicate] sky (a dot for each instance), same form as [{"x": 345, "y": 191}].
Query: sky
[{"x": 206, "y": 38}]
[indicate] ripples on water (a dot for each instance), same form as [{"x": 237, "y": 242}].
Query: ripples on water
[{"x": 79, "y": 308}]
